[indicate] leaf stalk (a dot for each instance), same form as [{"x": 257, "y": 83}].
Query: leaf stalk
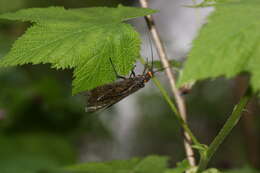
[{"x": 225, "y": 131}]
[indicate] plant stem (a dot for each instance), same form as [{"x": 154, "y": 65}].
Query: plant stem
[
  {"x": 176, "y": 93},
  {"x": 174, "y": 109},
  {"x": 226, "y": 129}
]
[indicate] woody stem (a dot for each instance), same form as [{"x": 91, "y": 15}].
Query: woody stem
[{"x": 178, "y": 98}]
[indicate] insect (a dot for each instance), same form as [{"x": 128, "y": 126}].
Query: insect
[{"x": 105, "y": 96}]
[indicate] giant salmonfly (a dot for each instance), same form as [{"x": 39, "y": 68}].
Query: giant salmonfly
[{"x": 107, "y": 95}]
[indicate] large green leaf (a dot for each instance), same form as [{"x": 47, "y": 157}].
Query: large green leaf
[
  {"x": 82, "y": 39},
  {"x": 227, "y": 45}
]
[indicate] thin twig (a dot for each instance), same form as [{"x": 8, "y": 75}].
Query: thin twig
[{"x": 178, "y": 98}]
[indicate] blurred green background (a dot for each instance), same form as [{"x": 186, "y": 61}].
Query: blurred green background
[{"x": 43, "y": 127}]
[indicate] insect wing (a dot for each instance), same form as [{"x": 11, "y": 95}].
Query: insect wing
[
  {"x": 107, "y": 95},
  {"x": 93, "y": 98}
]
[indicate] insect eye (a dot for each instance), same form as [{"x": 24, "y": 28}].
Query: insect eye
[{"x": 150, "y": 74}]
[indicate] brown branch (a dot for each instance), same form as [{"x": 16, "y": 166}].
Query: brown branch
[{"x": 178, "y": 98}]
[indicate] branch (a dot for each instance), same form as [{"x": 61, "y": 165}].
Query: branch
[{"x": 177, "y": 95}]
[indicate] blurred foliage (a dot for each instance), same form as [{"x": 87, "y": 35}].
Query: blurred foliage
[
  {"x": 29, "y": 153},
  {"x": 37, "y": 100},
  {"x": 150, "y": 131},
  {"x": 243, "y": 170}
]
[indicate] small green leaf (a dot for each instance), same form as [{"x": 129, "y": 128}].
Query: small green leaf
[
  {"x": 227, "y": 45},
  {"x": 180, "y": 168},
  {"x": 211, "y": 170},
  {"x": 82, "y": 39},
  {"x": 152, "y": 164}
]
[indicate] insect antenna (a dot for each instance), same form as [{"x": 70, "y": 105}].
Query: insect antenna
[
  {"x": 113, "y": 66},
  {"x": 152, "y": 55},
  {"x": 151, "y": 49},
  {"x": 146, "y": 66}
]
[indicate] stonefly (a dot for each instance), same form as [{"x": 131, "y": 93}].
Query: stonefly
[{"x": 105, "y": 96}]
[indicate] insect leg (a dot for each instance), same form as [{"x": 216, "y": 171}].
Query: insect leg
[
  {"x": 117, "y": 75},
  {"x": 132, "y": 72},
  {"x": 151, "y": 48}
]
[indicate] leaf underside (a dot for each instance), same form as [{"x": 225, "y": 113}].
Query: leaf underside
[
  {"x": 227, "y": 45},
  {"x": 82, "y": 39}
]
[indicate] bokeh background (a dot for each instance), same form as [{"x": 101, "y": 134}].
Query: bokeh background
[{"x": 42, "y": 126}]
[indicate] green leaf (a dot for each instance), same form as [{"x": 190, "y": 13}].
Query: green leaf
[
  {"x": 211, "y": 170},
  {"x": 82, "y": 39},
  {"x": 227, "y": 45},
  {"x": 180, "y": 168},
  {"x": 150, "y": 164}
]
